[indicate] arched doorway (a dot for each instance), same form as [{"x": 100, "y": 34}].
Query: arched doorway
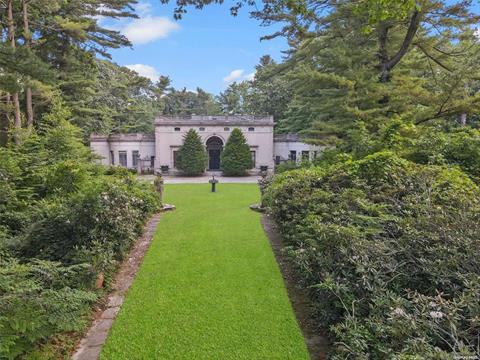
[{"x": 214, "y": 149}]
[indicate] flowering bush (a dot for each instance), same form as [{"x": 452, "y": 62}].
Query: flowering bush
[
  {"x": 389, "y": 250},
  {"x": 106, "y": 211}
]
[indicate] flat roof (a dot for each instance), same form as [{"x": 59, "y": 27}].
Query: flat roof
[
  {"x": 215, "y": 120},
  {"x": 123, "y": 137},
  {"x": 289, "y": 137}
]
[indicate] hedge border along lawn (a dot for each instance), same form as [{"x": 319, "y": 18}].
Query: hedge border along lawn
[{"x": 209, "y": 287}]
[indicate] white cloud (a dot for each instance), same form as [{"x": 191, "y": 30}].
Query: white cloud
[
  {"x": 234, "y": 75},
  {"x": 237, "y": 75},
  {"x": 250, "y": 77},
  {"x": 145, "y": 70},
  {"x": 148, "y": 29},
  {"x": 143, "y": 8}
]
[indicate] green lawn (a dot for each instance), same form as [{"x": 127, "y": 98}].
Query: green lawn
[{"x": 209, "y": 287}]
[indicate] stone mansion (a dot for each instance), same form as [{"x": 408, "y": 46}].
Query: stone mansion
[{"x": 148, "y": 152}]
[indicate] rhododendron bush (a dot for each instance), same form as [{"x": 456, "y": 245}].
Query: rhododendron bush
[{"x": 390, "y": 252}]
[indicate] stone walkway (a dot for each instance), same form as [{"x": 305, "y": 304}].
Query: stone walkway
[
  {"x": 91, "y": 345},
  {"x": 204, "y": 179}
]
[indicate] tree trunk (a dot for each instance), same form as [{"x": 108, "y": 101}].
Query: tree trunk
[
  {"x": 383, "y": 55},
  {"x": 11, "y": 38},
  {"x": 462, "y": 119},
  {"x": 386, "y": 63},
  {"x": 5, "y": 122},
  {"x": 28, "y": 89}
]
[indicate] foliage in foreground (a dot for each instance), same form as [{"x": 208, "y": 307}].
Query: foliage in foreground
[
  {"x": 63, "y": 223},
  {"x": 389, "y": 250},
  {"x": 192, "y": 157},
  {"x": 236, "y": 158}
]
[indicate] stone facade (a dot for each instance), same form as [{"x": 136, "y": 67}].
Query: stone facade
[
  {"x": 115, "y": 149},
  {"x": 290, "y": 147},
  {"x": 158, "y": 151}
]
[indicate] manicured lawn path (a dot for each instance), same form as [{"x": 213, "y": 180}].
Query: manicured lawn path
[{"x": 209, "y": 287}]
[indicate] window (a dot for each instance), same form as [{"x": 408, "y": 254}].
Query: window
[
  {"x": 226, "y": 129},
  {"x": 305, "y": 155},
  {"x": 175, "y": 159},
  {"x": 122, "y": 158},
  {"x": 135, "y": 158},
  {"x": 293, "y": 155},
  {"x": 277, "y": 160},
  {"x": 177, "y": 129},
  {"x": 152, "y": 161},
  {"x": 252, "y": 154},
  {"x": 201, "y": 129},
  {"x": 112, "y": 158},
  {"x": 251, "y": 129}
]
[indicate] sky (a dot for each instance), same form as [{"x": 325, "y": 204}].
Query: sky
[{"x": 208, "y": 48}]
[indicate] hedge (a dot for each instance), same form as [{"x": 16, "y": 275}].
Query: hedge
[{"x": 389, "y": 251}]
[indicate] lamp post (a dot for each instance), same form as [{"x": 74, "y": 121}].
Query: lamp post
[{"x": 214, "y": 182}]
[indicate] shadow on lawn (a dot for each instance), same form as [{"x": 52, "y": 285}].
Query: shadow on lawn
[{"x": 316, "y": 341}]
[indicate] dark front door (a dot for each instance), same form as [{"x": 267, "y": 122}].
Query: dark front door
[
  {"x": 214, "y": 149},
  {"x": 214, "y": 159}
]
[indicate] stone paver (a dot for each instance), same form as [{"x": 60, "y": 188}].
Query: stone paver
[
  {"x": 110, "y": 313},
  {"x": 91, "y": 345}
]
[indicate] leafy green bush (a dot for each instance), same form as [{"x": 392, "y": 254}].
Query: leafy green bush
[
  {"x": 436, "y": 145},
  {"x": 107, "y": 211},
  {"x": 286, "y": 166},
  {"x": 460, "y": 147},
  {"x": 192, "y": 156},
  {"x": 389, "y": 250},
  {"x": 38, "y": 299},
  {"x": 292, "y": 165},
  {"x": 236, "y": 158},
  {"x": 63, "y": 221}
]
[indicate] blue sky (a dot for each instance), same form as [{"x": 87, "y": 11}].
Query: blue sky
[{"x": 207, "y": 48}]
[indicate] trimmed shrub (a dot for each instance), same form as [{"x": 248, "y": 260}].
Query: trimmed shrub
[
  {"x": 389, "y": 250},
  {"x": 192, "y": 156},
  {"x": 236, "y": 158}
]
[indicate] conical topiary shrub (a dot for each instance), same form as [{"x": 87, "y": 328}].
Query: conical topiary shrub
[
  {"x": 236, "y": 158},
  {"x": 192, "y": 156}
]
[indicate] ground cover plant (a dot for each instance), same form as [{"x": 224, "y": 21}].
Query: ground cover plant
[
  {"x": 209, "y": 286},
  {"x": 389, "y": 250}
]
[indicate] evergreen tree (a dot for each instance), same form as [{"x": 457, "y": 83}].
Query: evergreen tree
[
  {"x": 236, "y": 158},
  {"x": 234, "y": 99},
  {"x": 52, "y": 45},
  {"x": 185, "y": 102},
  {"x": 192, "y": 156},
  {"x": 271, "y": 90}
]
